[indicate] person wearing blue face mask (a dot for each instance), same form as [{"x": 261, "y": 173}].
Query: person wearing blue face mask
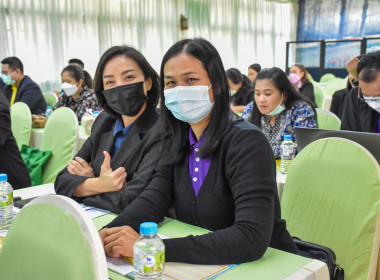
[
  {"x": 19, "y": 87},
  {"x": 278, "y": 108},
  {"x": 207, "y": 173}
]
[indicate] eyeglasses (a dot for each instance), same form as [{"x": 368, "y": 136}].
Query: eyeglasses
[{"x": 368, "y": 99}]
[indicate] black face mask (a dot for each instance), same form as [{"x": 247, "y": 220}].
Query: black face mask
[{"x": 127, "y": 99}]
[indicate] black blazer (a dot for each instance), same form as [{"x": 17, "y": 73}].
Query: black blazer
[
  {"x": 138, "y": 154},
  {"x": 238, "y": 200},
  {"x": 338, "y": 102},
  {"x": 358, "y": 115},
  {"x": 11, "y": 161},
  {"x": 30, "y": 93},
  {"x": 307, "y": 90}
]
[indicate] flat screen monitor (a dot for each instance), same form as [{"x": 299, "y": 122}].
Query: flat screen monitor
[{"x": 370, "y": 141}]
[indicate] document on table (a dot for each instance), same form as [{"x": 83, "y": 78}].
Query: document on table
[
  {"x": 173, "y": 270},
  {"x": 94, "y": 212}
]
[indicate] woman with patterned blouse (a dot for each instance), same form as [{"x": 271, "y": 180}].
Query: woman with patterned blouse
[
  {"x": 278, "y": 108},
  {"x": 77, "y": 95}
]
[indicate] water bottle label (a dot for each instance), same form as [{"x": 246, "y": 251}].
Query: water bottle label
[
  {"x": 6, "y": 199},
  {"x": 287, "y": 150},
  {"x": 152, "y": 263}
]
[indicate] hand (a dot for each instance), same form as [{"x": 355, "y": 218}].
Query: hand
[
  {"x": 352, "y": 66},
  {"x": 40, "y": 121},
  {"x": 79, "y": 166},
  {"x": 103, "y": 235},
  {"x": 119, "y": 241},
  {"x": 111, "y": 181}
]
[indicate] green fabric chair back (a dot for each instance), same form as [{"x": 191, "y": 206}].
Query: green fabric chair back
[
  {"x": 52, "y": 238},
  {"x": 326, "y": 77},
  {"x": 60, "y": 134},
  {"x": 50, "y": 98},
  {"x": 333, "y": 85},
  {"x": 319, "y": 95},
  {"x": 331, "y": 197},
  {"x": 21, "y": 123},
  {"x": 327, "y": 120}
]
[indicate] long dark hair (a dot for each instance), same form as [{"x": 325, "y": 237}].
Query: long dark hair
[
  {"x": 282, "y": 83},
  {"x": 221, "y": 117},
  {"x": 236, "y": 77},
  {"x": 143, "y": 64}
]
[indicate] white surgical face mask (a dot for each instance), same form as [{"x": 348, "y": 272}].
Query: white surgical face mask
[
  {"x": 69, "y": 89},
  {"x": 233, "y": 92},
  {"x": 278, "y": 110},
  {"x": 189, "y": 104},
  {"x": 373, "y": 102}
]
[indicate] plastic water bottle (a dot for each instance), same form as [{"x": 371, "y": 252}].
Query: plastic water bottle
[
  {"x": 149, "y": 253},
  {"x": 48, "y": 112},
  {"x": 287, "y": 150},
  {"x": 6, "y": 206}
]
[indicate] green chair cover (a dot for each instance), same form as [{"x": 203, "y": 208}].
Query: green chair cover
[
  {"x": 50, "y": 98},
  {"x": 331, "y": 197},
  {"x": 333, "y": 85},
  {"x": 327, "y": 120},
  {"x": 34, "y": 160},
  {"x": 60, "y": 136},
  {"x": 326, "y": 77},
  {"x": 52, "y": 238},
  {"x": 319, "y": 95},
  {"x": 21, "y": 123}
]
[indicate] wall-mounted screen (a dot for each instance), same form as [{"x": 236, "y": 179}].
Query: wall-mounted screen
[
  {"x": 338, "y": 53},
  {"x": 305, "y": 53}
]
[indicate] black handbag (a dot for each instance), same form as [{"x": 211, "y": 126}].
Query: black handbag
[{"x": 322, "y": 253}]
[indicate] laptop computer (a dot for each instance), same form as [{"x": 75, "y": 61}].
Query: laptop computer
[{"x": 370, "y": 141}]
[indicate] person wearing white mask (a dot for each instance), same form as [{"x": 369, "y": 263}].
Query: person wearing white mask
[
  {"x": 207, "y": 173},
  {"x": 278, "y": 108},
  {"x": 362, "y": 106},
  {"x": 240, "y": 90}
]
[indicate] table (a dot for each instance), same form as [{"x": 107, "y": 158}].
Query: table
[
  {"x": 37, "y": 134},
  {"x": 274, "y": 265}
]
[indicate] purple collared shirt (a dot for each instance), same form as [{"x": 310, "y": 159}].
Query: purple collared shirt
[
  {"x": 198, "y": 167},
  {"x": 378, "y": 125}
]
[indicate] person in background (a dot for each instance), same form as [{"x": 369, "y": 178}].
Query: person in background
[
  {"x": 11, "y": 161},
  {"x": 299, "y": 77},
  {"x": 218, "y": 171},
  {"x": 87, "y": 76},
  {"x": 362, "y": 107},
  {"x": 19, "y": 87},
  {"x": 278, "y": 108},
  {"x": 77, "y": 96},
  {"x": 2, "y": 84},
  {"x": 339, "y": 97},
  {"x": 240, "y": 90},
  {"x": 253, "y": 70},
  {"x": 118, "y": 159}
]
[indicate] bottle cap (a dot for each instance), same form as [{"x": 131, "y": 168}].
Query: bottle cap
[
  {"x": 96, "y": 112},
  {"x": 287, "y": 137},
  {"x": 48, "y": 107},
  {"x": 3, "y": 177},
  {"x": 148, "y": 228}
]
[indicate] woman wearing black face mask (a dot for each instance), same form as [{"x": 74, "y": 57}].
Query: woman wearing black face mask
[{"x": 118, "y": 160}]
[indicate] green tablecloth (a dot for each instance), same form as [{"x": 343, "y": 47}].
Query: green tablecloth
[{"x": 274, "y": 265}]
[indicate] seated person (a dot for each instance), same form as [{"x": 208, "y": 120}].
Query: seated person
[
  {"x": 362, "y": 108},
  {"x": 253, "y": 70},
  {"x": 118, "y": 160},
  {"x": 77, "y": 96},
  {"x": 19, "y": 87},
  {"x": 278, "y": 108},
  {"x": 240, "y": 89},
  {"x": 11, "y": 161},
  {"x": 207, "y": 176},
  {"x": 299, "y": 77},
  {"x": 339, "y": 97}
]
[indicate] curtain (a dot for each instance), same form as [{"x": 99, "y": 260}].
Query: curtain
[{"x": 45, "y": 34}]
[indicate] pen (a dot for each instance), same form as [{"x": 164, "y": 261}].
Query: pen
[{"x": 130, "y": 259}]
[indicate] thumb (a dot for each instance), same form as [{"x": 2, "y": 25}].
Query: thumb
[{"x": 107, "y": 160}]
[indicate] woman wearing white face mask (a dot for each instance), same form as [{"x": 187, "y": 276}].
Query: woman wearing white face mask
[
  {"x": 207, "y": 173},
  {"x": 240, "y": 89},
  {"x": 77, "y": 95},
  {"x": 278, "y": 108}
]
